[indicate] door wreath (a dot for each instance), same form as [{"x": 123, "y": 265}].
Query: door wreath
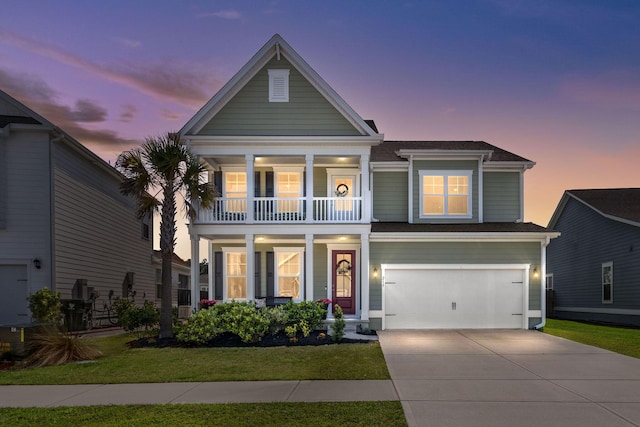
[
  {"x": 343, "y": 267},
  {"x": 342, "y": 190}
]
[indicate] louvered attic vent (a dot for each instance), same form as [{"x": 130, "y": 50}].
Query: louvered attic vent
[{"x": 279, "y": 85}]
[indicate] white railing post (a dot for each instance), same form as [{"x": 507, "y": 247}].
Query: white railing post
[
  {"x": 309, "y": 188},
  {"x": 250, "y": 187}
]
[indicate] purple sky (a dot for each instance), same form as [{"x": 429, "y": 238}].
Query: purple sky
[{"x": 555, "y": 81}]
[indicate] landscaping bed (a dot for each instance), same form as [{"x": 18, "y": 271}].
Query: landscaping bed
[{"x": 315, "y": 338}]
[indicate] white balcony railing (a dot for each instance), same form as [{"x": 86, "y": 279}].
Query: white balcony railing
[{"x": 282, "y": 210}]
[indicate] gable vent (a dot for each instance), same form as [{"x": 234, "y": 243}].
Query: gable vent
[{"x": 278, "y": 85}]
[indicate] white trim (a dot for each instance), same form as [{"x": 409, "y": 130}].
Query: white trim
[
  {"x": 546, "y": 280},
  {"x": 445, "y": 174},
  {"x": 525, "y": 268},
  {"x": 346, "y": 247},
  {"x": 301, "y": 274},
  {"x": 461, "y": 237},
  {"x": 410, "y": 190},
  {"x": 389, "y": 166},
  {"x": 480, "y": 192},
  {"x": 427, "y": 154},
  {"x": 280, "y": 76}
]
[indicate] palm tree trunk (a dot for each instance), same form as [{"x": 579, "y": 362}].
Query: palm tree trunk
[{"x": 167, "y": 243}]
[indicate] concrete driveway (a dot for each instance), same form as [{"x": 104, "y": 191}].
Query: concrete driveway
[{"x": 509, "y": 378}]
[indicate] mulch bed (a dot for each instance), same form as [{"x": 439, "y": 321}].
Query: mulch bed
[{"x": 231, "y": 340}]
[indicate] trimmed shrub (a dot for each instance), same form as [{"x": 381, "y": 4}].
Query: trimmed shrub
[
  {"x": 201, "y": 327},
  {"x": 305, "y": 316},
  {"x": 132, "y": 318},
  {"x": 46, "y": 306},
  {"x": 339, "y": 324}
]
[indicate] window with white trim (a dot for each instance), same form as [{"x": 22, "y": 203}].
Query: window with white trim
[
  {"x": 235, "y": 191},
  {"x": 278, "y": 85},
  {"x": 607, "y": 282},
  {"x": 235, "y": 274},
  {"x": 548, "y": 282},
  {"x": 288, "y": 185},
  {"x": 445, "y": 194},
  {"x": 289, "y": 272}
]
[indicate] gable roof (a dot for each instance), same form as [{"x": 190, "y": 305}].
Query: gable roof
[
  {"x": 618, "y": 204},
  {"x": 274, "y": 47},
  {"x": 7, "y": 120},
  {"x": 388, "y": 150}
]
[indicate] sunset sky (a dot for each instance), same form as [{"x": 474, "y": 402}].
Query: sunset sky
[{"x": 555, "y": 81}]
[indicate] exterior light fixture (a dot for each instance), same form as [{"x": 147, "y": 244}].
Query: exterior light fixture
[
  {"x": 535, "y": 273},
  {"x": 375, "y": 272},
  {"x": 37, "y": 263}
]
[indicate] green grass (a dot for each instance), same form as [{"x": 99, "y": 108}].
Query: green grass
[
  {"x": 257, "y": 414},
  {"x": 148, "y": 365},
  {"x": 621, "y": 340}
]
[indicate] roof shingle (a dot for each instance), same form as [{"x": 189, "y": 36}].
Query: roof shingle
[
  {"x": 386, "y": 152},
  {"x": 619, "y": 202}
]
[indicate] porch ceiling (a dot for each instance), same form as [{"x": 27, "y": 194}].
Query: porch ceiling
[{"x": 214, "y": 161}]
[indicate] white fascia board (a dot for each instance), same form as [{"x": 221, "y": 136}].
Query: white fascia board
[
  {"x": 264, "y": 229},
  {"x": 389, "y": 166},
  {"x": 461, "y": 237},
  {"x": 508, "y": 166},
  {"x": 424, "y": 154},
  {"x": 199, "y": 140},
  {"x": 455, "y": 266}
]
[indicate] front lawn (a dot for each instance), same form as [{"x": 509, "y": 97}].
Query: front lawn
[
  {"x": 621, "y": 340},
  {"x": 148, "y": 365},
  {"x": 234, "y": 414}
]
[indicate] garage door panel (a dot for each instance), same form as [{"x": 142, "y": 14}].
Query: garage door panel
[{"x": 442, "y": 299}]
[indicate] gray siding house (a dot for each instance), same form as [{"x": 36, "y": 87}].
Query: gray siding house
[
  {"x": 316, "y": 204},
  {"x": 594, "y": 267},
  {"x": 63, "y": 223}
]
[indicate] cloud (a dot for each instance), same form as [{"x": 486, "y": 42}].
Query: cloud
[
  {"x": 38, "y": 96},
  {"x": 448, "y": 110},
  {"x": 231, "y": 15},
  {"x": 128, "y": 42},
  {"x": 168, "y": 81},
  {"x": 129, "y": 112},
  {"x": 171, "y": 115}
]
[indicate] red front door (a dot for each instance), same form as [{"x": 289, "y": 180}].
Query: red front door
[{"x": 343, "y": 289}]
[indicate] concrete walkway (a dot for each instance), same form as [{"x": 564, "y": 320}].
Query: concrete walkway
[{"x": 508, "y": 378}]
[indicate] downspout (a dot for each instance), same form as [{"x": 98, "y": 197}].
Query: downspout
[{"x": 543, "y": 290}]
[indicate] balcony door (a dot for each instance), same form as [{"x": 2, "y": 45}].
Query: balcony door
[{"x": 343, "y": 187}]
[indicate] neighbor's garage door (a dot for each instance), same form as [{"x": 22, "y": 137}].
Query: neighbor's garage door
[
  {"x": 456, "y": 298},
  {"x": 14, "y": 309}
]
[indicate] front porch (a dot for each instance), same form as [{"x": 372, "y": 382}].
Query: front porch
[{"x": 307, "y": 267}]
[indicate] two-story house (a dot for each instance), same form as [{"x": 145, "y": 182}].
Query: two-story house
[
  {"x": 316, "y": 204},
  {"x": 64, "y": 225}
]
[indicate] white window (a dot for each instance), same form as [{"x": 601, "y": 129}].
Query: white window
[
  {"x": 278, "y": 85},
  {"x": 235, "y": 273},
  {"x": 288, "y": 185},
  {"x": 607, "y": 282},
  {"x": 548, "y": 283},
  {"x": 289, "y": 272},
  {"x": 235, "y": 191},
  {"x": 445, "y": 194}
]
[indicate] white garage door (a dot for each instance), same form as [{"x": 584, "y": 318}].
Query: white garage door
[{"x": 418, "y": 298}]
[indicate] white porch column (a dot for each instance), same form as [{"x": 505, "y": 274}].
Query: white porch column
[
  {"x": 211, "y": 272},
  {"x": 250, "y": 187},
  {"x": 195, "y": 271},
  {"x": 309, "y": 187},
  {"x": 251, "y": 268},
  {"x": 366, "y": 190},
  {"x": 364, "y": 276},
  {"x": 308, "y": 268}
]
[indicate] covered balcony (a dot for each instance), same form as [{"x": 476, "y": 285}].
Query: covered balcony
[{"x": 288, "y": 190}]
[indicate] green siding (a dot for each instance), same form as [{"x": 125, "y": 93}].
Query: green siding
[
  {"x": 390, "y": 196},
  {"x": 319, "y": 271},
  {"x": 454, "y": 253},
  {"x": 501, "y": 196},
  {"x": 320, "y": 182},
  {"x": 445, "y": 165},
  {"x": 251, "y": 113}
]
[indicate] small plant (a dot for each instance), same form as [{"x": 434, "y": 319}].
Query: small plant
[
  {"x": 207, "y": 303},
  {"x": 339, "y": 324},
  {"x": 50, "y": 347},
  {"x": 200, "y": 328},
  {"x": 132, "y": 318},
  {"x": 46, "y": 306}
]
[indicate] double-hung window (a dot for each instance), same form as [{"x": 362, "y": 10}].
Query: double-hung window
[
  {"x": 445, "y": 194},
  {"x": 235, "y": 277},
  {"x": 235, "y": 191},
  {"x": 607, "y": 282},
  {"x": 288, "y": 189},
  {"x": 289, "y": 272}
]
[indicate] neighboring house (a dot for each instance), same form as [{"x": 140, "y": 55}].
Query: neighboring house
[
  {"x": 315, "y": 204},
  {"x": 180, "y": 278},
  {"x": 64, "y": 225},
  {"x": 594, "y": 267}
]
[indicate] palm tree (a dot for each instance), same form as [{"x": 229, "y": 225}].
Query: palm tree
[{"x": 155, "y": 175}]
